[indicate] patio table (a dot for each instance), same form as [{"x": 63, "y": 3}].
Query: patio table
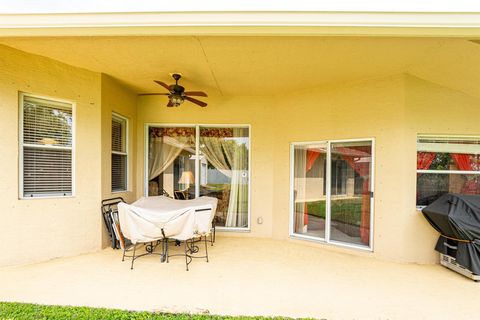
[{"x": 150, "y": 219}]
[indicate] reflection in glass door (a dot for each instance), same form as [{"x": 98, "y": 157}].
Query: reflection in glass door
[
  {"x": 309, "y": 189},
  {"x": 223, "y": 156},
  {"x": 332, "y": 191},
  {"x": 171, "y": 162},
  {"x": 350, "y": 212}
]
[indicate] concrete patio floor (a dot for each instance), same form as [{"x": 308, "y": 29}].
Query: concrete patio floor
[{"x": 248, "y": 276}]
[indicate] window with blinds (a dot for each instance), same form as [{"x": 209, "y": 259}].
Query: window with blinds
[
  {"x": 46, "y": 148},
  {"x": 119, "y": 153}
]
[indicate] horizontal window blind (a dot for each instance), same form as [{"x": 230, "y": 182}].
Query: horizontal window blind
[
  {"x": 118, "y": 134},
  {"x": 119, "y": 154},
  {"x": 47, "y": 172},
  {"x": 47, "y": 148},
  {"x": 119, "y": 172},
  {"x": 448, "y": 144}
]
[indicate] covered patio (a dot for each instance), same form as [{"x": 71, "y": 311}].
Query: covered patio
[
  {"x": 314, "y": 141},
  {"x": 327, "y": 91},
  {"x": 276, "y": 278}
]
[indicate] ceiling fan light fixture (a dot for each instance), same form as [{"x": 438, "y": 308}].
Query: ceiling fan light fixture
[{"x": 176, "y": 99}]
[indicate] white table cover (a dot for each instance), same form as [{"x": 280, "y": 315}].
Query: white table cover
[{"x": 143, "y": 220}]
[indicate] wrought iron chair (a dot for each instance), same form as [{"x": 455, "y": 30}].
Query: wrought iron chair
[
  {"x": 110, "y": 218},
  {"x": 191, "y": 233},
  {"x": 149, "y": 242}
]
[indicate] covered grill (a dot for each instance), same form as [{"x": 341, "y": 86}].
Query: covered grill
[{"x": 457, "y": 218}]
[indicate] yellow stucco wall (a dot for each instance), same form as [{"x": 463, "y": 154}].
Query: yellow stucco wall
[
  {"x": 430, "y": 109},
  {"x": 370, "y": 109},
  {"x": 120, "y": 100},
  {"x": 391, "y": 110},
  {"x": 39, "y": 229}
]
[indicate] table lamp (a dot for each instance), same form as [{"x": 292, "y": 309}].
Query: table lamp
[{"x": 186, "y": 179}]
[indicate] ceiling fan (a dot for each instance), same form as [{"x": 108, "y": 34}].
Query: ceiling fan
[{"x": 177, "y": 94}]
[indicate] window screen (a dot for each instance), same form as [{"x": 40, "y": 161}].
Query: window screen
[
  {"x": 47, "y": 131},
  {"x": 119, "y": 153}
]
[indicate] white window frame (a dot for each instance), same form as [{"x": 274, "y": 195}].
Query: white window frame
[
  {"x": 326, "y": 239},
  {"x": 197, "y": 162},
  {"x": 468, "y": 148},
  {"x": 127, "y": 182},
  {"x": 21, "y": 98}
]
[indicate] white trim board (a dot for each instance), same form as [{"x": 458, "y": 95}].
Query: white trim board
[
  {"x": 87, "y": 6},
  {"x": 269, "y": 22}
]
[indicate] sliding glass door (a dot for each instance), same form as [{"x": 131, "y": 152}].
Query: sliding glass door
[
  {"x": 224, "y": 173},
  {"x": 190, "y": 161},
  {"x": 350, "y": 212},
  {"x": 332, "y": 191},
  {"x": 309, "y": 189}
]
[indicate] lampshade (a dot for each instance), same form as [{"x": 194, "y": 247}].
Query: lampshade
[{"x": 187, "y": 178}]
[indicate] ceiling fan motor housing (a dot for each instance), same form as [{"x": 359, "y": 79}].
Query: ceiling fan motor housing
[{"x": 177, "y": 89}]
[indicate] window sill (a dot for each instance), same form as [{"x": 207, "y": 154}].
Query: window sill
[
  {"x": 120, "y": 191},
  {"x": 46, "y": 197}
]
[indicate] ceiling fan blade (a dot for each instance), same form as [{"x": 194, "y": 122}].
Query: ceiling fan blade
[
  {"x": 200, "y": 103},
  {"x": 154, "y": 94},
  {"x": 170, "y": 104},
  {"x": 195, "y": 93},
  {"x": 166, "y": 86}
]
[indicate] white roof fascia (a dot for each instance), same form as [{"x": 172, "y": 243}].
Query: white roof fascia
[{"x": 324, "y": 19}]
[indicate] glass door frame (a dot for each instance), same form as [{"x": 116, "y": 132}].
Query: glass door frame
[
  {"x": 328, "y": 177},
  {"x": 197, "y": 161}
]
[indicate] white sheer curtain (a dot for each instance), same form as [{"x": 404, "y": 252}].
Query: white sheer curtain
[
  {"x": 213, "y": 148},
  {"x": 237, "y": 214},
  {"x": 163, "y": 151},
  {"x": 230, "y": 157},
  {"x": 300, "y": 179}
]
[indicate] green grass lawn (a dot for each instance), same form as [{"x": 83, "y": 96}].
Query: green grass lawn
[
  {"x": 343, "y": 210},
  {"x": 25, "y": 311}
]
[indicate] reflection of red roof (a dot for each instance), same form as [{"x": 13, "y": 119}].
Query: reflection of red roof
[
  {"x": 364, "y": 160},
  {"x": 356, "y": 152},
  {"x": 317, "y": 149}
]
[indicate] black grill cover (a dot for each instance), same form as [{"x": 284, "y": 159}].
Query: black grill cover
[{"x": 457, "y": 216}]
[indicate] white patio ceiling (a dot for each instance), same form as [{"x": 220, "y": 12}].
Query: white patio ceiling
[{"x": 276, "y": 65}]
